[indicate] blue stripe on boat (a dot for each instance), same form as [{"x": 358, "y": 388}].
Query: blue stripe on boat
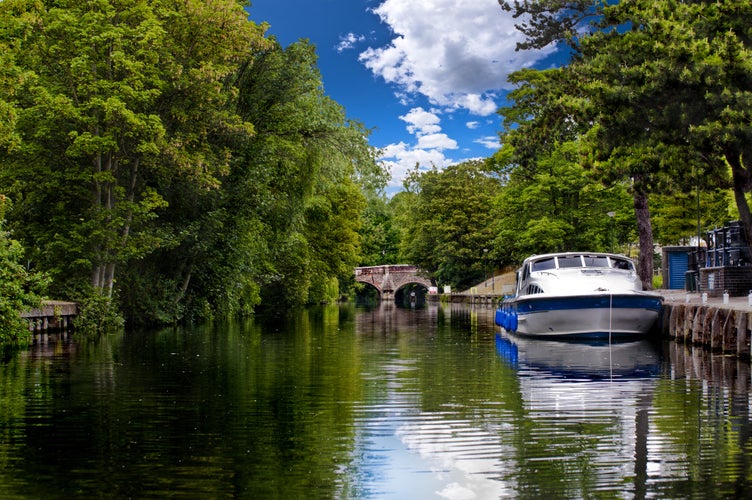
[{"x": 535, "y": 304}]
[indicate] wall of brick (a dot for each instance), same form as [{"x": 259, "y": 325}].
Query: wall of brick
[{"x": 736, "y": 280}]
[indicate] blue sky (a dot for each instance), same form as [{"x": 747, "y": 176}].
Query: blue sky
[{"x": 426, "y": 76}]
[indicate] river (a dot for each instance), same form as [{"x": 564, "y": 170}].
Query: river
[{"x": 386, "y": 403}]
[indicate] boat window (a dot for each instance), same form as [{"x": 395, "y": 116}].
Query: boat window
[
  {"x": 534, "y": 289},
  {"x": 544, "y": 264},
  {"x": 596, "y": 261},
  {"x": 621, "y": 264},
  {"x": 573, "y": 261}
]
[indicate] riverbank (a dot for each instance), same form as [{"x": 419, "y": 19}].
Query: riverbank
[{"x": 721, "y": 325}]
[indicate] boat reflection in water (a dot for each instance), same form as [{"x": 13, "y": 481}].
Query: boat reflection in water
[
  {"x": 587, "y": 408},
  {"x": 580, "y": 359}
]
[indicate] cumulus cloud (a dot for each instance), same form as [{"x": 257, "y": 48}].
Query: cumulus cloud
[
  {"x": 420, "y": 121},
  {"x": 490, "y": 142},
  {"x": 349, "y": 41},
  {"x": 400, "y": 158},
  {"x": 429, "y": 148},
  {"x": 456, "y": 53}
]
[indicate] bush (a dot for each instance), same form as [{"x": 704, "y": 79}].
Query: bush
[{"x": 20, "y": 289}]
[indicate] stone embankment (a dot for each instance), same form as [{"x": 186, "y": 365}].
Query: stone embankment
[{"x": 721, "y": 325}]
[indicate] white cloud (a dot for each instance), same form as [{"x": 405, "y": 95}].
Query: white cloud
[
  {"x": 428, "y": 150},
  {"x": 490, "y": 142},
  {"x": 457, "y": 53},
  {"x": 472, "y": 125},
  {"x": 436, "y": 141},
  {"x": 401, "y": 158},
  {"x": 348, "y": 41},
  {"x": 421, "y": 121}
]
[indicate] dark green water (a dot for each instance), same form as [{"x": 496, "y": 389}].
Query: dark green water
[{"x": 391, "y": 403}]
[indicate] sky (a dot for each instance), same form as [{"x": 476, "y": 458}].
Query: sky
[{"x": 425, "y": 76}]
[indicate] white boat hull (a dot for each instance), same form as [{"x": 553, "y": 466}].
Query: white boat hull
[{"x": 598, "y": 315}]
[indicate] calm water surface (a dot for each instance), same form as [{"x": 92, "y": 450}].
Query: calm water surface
[{"x": 340, "y": 402}]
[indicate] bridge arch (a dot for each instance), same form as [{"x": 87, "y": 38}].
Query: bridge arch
[{"x": 390, "y": 278}]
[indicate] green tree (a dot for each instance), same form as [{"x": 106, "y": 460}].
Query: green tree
[
  {"x": 15, "y": 25},
  {"x": 20, "y": 289},
  {"x": 667, "y": 88},
  {"x": 129, "y": 105},
  {"x": 380, "y": 233},
  {"x": 675, "y": 216},
  {"x": 304, "y": 173},
  {"x": 558, "y": 207},
  {"x": 450, "y": 223}
]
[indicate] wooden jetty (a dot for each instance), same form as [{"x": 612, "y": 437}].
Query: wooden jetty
[{"x": 52, "y": 315}]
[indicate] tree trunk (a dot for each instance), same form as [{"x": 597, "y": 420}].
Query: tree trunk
[
  {"x": 645, "y": 233},
  {"x": 741, "y": 187}
]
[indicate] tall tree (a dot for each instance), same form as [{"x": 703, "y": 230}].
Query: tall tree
[
  {"x": 129, "y": 99},
  {"x": 559, "y": 206},
  {"x": 449, "y": 224},
  {"x": 20, "y": 289},
  {"x": 668, "y": 83},
  {"x": 304, "y": 172}
]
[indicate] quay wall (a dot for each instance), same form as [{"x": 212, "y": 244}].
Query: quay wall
[{"x": 719, "y": 328}]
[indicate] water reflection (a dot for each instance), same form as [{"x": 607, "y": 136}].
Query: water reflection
[
  {"x": 585, "y": 407},
  {"x": 340, "y": 402}
]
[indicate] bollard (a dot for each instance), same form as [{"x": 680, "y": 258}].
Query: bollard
[
  {"x": 749, "y": 299},
  {"x": 705, "y": 298},
  {"x": 686, "y": 297},
  {"x": 725, "y": 297}
]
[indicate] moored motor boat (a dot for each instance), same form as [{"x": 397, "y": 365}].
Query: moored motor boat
[{"x": 579, "y": 294}]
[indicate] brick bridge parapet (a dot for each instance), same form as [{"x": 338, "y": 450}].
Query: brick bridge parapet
[{"x": 388, "y": 279}]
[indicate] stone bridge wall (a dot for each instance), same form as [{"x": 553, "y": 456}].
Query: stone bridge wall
[{"x": 388, "y": 279}]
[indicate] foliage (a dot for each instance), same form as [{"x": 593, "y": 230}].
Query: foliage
[
  {"x": 558, "y": 206},
  {"x": 656, "y": 83},
  {"x": 380, "y": 233},
  {"x": 446, "y": 226},
  {"x": 171, "y": 163},
  {"x": 675, "y": 216},
  {"x": 303, "y": 176},
  {"x": 98, "y": 313},
  {"x": 20, "y": 289}
]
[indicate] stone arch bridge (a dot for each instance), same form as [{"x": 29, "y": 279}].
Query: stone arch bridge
[{"x": 389, "y": 279}]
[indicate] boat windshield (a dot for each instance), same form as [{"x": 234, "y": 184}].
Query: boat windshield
[
  {"x": 596, "y": 261},
  {"x": 621, "y": 264},
  {"x": 573, "y": 261},
  {"x": 543, "y": 264}
]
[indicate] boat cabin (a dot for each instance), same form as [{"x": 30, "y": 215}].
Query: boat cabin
[{"x": 544, "y": 267}]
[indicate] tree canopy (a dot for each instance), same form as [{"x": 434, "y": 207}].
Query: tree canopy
[
  {"x": 660, "y": 90},
  {"x": 173, "y": 160}
]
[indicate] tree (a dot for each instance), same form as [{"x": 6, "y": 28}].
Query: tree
[
  {"x": 20, "y": 289},
  {"x": 668, "y": 89},
  {"x": 304, "y": 174},
  {"x": 449, "y": 225},
  {"x": 129, "y": 99},
  {"x": 559, "y": 207},
  {"x": 380, "y": 232}
]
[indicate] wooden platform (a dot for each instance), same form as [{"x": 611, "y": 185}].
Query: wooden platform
[{"x": 53, "y": 315}]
